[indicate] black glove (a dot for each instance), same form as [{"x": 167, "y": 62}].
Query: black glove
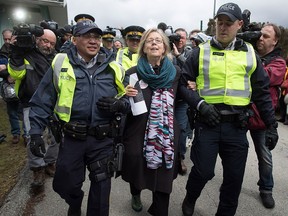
[
  {"x": 37, "y": 145},
  {"x": 271, "y": 136},
  {"x": 110, "y": 104},
  {"x": 17, "y": 55},
  {"x": 210, "y": 113}
]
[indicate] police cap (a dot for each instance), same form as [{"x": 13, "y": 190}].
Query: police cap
[
  {"x": 108, "y": 35},
  {"x": 133, "y": 32},
  {"x": 84, "y": 26},
  {"x": 81, "y": 17},
  {"x": 231, "y": 10}
]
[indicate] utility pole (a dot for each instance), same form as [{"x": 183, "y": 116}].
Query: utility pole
[{"x": 214, "y": 9}]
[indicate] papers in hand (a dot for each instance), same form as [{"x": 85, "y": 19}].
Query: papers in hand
[{"x": 138, "y": 105}]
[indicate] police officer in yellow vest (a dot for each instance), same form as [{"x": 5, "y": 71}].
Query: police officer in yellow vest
[
  {"x": 228, "y": 74},
  {"x": 128, "y": 56},
  {"x": 84, "y": 91},
  {"x": 107, "y": 41}
]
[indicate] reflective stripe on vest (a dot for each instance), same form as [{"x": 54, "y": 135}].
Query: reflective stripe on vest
[
  {"x": 119, "y": 56},
  {"x": 230, "y": 71},
  {"x": 123, "y": 59},
  {"x": 18, "y": 73},
  {"x": 65, "y": 82},
  {"x": 119, "y": 77}
]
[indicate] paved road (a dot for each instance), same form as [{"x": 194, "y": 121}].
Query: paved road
[{"x": 249, "y": 203}]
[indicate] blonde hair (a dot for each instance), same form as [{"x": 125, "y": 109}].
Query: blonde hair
[{"x": 144, "y": 38}]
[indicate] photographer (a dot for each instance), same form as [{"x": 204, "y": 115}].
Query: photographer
[
  {"x": 275, "y": 67},
  {"x": 31, "y": 57},
  {"x": 181, "y": 52}
]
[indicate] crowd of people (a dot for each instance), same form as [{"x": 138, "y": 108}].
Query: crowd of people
[{"x": 79, "y": 89}]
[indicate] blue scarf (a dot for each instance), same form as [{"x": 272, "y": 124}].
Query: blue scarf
[{"x": 156, "y": 81}]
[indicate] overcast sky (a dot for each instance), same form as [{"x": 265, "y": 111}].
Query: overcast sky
[{"x": 176, "y": 13}]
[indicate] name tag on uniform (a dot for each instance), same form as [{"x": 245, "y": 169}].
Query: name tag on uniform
[
  {"x": 64, "y": 69},
  {"x": 218, "y": 53}
]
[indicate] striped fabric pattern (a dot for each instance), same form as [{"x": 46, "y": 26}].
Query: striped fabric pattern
[{"x": 159, "y": 134}]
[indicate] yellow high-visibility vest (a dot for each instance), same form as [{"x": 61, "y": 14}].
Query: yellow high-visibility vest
[
  {"x": 224, "y": 75},
  {"x": 65, "y": 83},
  {"x": 18, "y": 73},
  {"x": 123, "y": 59}
]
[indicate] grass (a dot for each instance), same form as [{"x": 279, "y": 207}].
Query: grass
[{"x": 12, "y": 156}]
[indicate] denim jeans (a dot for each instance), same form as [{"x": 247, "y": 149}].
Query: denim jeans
[
  {"x": 182, "y": 119},
  {"x": 52, "y": 147},
  {"x": 12, "y": 111},
  {"x": 265, "y": 165}
]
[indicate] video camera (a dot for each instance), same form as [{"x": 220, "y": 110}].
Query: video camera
[
  {"x": 251, "y": 32},
  {"x": 26, "y": 34},
  {"x": 49, "y": 24},
  {"x": 173, "y": 37}
]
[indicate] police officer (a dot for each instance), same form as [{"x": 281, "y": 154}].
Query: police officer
[
  {"x": 227, "y": 73},
  {"x": 82, "y": 89},
  {"x": 107, "y": 42},
  {"x": 128, "y": 56}
]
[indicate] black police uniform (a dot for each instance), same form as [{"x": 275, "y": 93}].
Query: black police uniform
[
  {"x": 228, "y": 138},
  {"x": 84, "y": 145}
]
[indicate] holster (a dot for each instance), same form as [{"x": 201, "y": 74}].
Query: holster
[
  {"x": 55, "y": 127},
  {"x": 100, "y": 131},
  {"x": 100, "y": 170}
]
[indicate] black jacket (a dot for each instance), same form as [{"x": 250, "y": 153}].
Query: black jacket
[{"x": 39, "y": 65}]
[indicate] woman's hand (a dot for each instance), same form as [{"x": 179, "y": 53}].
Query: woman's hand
[
  {"x": 192, "y": 85},
  {"x": 130, "y": 91}
]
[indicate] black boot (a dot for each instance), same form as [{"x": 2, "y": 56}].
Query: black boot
[
  {"x": 188, "y": 207},
  {"x": 38, "y": 177},
  {"x": 267, "y": 200},
  {"x": 136, "y": 203},
  {"x": 74, "y": 211}
]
